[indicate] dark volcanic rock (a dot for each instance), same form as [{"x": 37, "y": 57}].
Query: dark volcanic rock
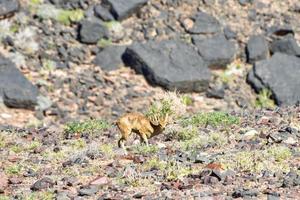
[
  {"x": 8, "y": 7},
  {"x": 16, "y": 90},
  {"x": 257, "y": 48},
  {"x": 122, "y": 10},
  {"x": 43, "y": 183},
  {"x": 245, "y": 2},
  {"x": 217, "y": 51},
  {"x": 88, "y": 190},
  {"x": 103, "y": 13},
  {"x": 244, "y": 193},
  {"x": 229, "y": 33},
  {"x": 110, "y": 58},
  {"x": 281, "y": 75},
  {"x": 217, "y": 92},
  {"x": 291, "y": 179},
  {"x": 204, "y": 24},
  {"x": 286, "y": 45},
  {"x": 91, "y": 32},
  {"x": 280, "y": 30},
  {"x": 254, "y": 81},
  {"x": 70, "y": 4},
  {"x": 171, "y": 64}
]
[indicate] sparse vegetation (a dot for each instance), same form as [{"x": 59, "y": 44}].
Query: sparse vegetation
[
  {"x": 264, "y": 100},
  {"x": 107, "y": 150},
  {"x": 48, "y": 65},
  {"x": 145, "y": 150},
  {"x": 154, "y": 163},
  {"x": 280, "y": 153},
  {"x": 33, "y": 145},
  {"x": 102, "y": 43},
  {"x": 213, "y": 119},
  {"x": 91, "y": 127},
  {"x": 79, "y": 144},
  {"x": 45, "y": 195},
  {"x": 187, "y": 100},
  {"x": 66, "y": 17},
  {"x": 171, "y": 104},
  {"x": 14, "y": 169},
  {"x": 174, "y": 170},
  {"x": 223, "y": 142},
  {"x": 36, "y": 2},
  {"x": 17, "y": 148},
  {"x": 2, "y": 197},
  {"x": 186, "y": 133},
  {"x": 272, "y": 159},
  {"x": 2, "y": 141}
]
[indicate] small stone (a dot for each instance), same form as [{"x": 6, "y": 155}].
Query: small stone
[
  {"x": 90, "y": 32},
  {"x": 245, "y": 2},
  {"x": 250, "y": 134},
  {"x": 43, "y": 103},
  {"x": 290, "y": 140},
  {"x": 30, "y": 173},
  {"x": 110, "y": 58},
  {"x": 217, "y": 92},
  {"x": 244, "y": 193},
  {"x": 201, "y": 159},
  {"x": 210, "y": 180},
  {"x": 273, "y": 197},
  {"x": 43, "y": 183},
  {"x": 70, "y": 181},
  {"x": 100, "y": 181},
  {"x": 138, "y": 195},
  {"x": 15, "y": 180},
  {"x": 3, "y": 182},
  {"x": 62, "y": 195},
  {"x": 88, "y": 190}
]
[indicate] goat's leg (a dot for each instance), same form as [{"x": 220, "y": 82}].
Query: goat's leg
[{"x": 144, "y": 138}]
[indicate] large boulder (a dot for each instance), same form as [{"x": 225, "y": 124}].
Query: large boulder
[
  {"x": 257, "y": 48},
  {"x": 16, "y": 90},
  {"x": 171, "y": 64},
  {"x": 287, "y": 45},
  {"x": 110, "y": 58},
  {"x": 122, "y": 10},
  {"x": 217, "y": 51},
  {"x": 281, "y": 75},
  {"x": 8, "y": 7},
  {"x": 103, "y": 13},
  {"x": 90, "y": 32}
]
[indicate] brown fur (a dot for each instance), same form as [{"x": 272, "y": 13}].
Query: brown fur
[{"x": 139, "y": 124}]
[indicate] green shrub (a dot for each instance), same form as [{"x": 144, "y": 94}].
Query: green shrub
[
  {"x": 145, "y": 150},
  {"x": 264, "y": 100},
  {"x": 89, "y": 126},
  {"x": 213, "y": 119}
]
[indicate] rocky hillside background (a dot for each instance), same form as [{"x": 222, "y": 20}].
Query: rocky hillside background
[{"x": 87, "y": 62}]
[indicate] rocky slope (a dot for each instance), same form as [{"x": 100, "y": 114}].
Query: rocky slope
[{"x": 64, "y": 61}]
